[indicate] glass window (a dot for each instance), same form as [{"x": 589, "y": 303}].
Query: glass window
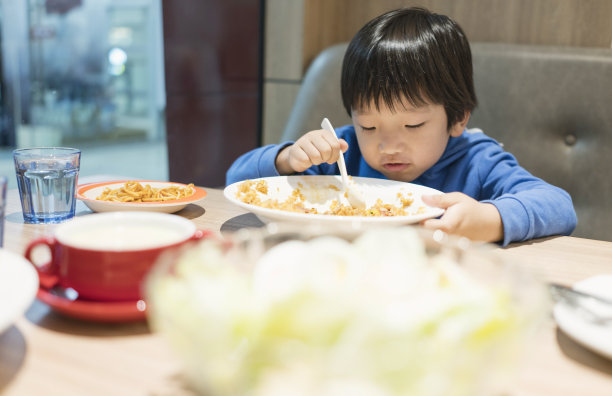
[{"x": 85, "y": 74}]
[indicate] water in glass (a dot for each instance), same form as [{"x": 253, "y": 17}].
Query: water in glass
[{"x": 47, "y": 188}]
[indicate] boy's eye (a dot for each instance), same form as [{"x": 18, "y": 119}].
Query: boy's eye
[
  {"x": 414, "y": 126},
  {"x": 367, "y": 128}
]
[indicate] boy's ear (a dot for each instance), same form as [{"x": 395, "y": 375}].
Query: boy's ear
[{"x": 457, "y": 129}]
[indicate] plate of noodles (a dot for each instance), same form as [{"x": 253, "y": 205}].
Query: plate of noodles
[
  {"x": 138, "y": 195},
  {"x": 322, "y": 199}
]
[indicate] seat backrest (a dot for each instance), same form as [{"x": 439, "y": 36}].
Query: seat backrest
[
  {"x": 319, "y": 95},
  {"x": 552, "y": 108},
  {"x": 549, "y": 106}
]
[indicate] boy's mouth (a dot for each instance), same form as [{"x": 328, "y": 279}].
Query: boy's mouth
[{"x": 395, "y": 166}]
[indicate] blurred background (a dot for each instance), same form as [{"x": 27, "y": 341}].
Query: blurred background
[
  {"x": 86, "y": 74},
  {"x": 176, "y": 90}
]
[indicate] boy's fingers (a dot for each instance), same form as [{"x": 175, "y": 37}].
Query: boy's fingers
[
  {"x": 324, "y": 150},
  {"x": 430, "y": 223},
  {"x": 299, "y": 160},
  {"x": 343, "y": 145},
  {"x": 442, "y": 200},
  {"x": 437, "y": 224},
  {"x": 312, "y": 152},
  {"x": 446, "y": 223},
  {"x": 331, "y": 147}
]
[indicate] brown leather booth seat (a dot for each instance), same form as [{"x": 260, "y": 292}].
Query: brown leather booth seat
[{"x": 549, "y": 106}]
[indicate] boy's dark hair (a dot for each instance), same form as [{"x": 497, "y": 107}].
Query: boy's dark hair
[{"x": 410, "y": 54}]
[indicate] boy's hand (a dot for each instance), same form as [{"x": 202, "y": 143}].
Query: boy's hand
[
  {"x": 313, "y": 148},
  {"x": 466, "y": 217}
]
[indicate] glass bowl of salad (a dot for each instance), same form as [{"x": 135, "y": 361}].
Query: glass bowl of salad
[{"x": 288, "y": 310}]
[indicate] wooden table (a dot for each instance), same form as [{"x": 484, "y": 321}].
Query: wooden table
[{"x": 46, "y": 353}]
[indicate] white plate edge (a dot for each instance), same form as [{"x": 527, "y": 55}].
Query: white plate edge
[
  {"x": 579, "y": 330},
  {"x": 26, "y": 289}
]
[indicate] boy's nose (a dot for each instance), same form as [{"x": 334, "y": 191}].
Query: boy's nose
[{"x": 390, "y": 146}]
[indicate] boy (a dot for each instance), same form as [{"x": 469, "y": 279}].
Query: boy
[{"x": 407, "y": 85}]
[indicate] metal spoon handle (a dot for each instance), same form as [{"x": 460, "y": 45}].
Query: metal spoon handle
[{"x": 566, "y": 293}]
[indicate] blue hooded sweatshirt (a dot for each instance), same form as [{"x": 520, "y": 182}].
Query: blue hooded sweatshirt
[{"x": 472, "y": 163}]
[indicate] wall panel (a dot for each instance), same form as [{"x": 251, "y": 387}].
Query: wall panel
[
  {"x": 212, "y": 62},
  {"x": 582, "y": 23}
]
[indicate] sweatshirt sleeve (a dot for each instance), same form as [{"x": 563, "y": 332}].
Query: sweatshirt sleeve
[
  {"x": 259, "y": 162},
  {"x": 529, "y": 207}
]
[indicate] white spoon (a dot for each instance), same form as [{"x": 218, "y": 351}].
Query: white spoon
[{"x": 355, "y": 197}]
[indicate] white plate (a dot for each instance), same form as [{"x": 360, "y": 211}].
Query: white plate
[
  {"x": 319, "y": 195},
  {"x": 88, "y": 193},
  {"x": 594, "y": 336},
  {"x": 18, "y": 286}
]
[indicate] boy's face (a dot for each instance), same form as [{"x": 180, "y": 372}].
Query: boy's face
[{"x": 404, "y": 143}]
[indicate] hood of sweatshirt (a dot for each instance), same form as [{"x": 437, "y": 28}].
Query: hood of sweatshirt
[{"x": 456, "y": 149}]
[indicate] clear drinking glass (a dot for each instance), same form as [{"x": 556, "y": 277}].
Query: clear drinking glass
[
  {"x": 3, "y": 182},
  {"x": 47, "y": 179}
]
